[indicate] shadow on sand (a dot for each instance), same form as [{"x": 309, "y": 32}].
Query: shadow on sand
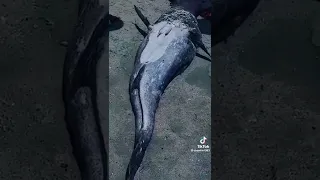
[
  {"x": 115, "y": 23},
  {"x": 204, "y": 26}
]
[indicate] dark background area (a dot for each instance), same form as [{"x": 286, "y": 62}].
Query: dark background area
[
  {"x": 34, "y": 143},
  {"x": 267, "y": 95}
]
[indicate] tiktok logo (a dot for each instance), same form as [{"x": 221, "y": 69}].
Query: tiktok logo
[
  {"x": 203, "y": 147},
  {"x": 203, "y": 140}
]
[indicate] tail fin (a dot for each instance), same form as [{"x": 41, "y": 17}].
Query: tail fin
[
  {"x": 143, "y": 127},
  {"x": 140, "y": 145}
]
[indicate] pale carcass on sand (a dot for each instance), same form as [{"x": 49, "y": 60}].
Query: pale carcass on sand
[{"x": 168, "y": 48}]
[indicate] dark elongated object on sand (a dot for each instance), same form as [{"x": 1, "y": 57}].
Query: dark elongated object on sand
[
  {"x": 167, "y": 50},
  {"x": 90, "y": 38}
]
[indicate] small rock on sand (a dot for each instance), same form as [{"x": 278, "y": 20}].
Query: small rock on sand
[
  {"x": 3, "y": 19},
  {"x": 64, "y": 43}
]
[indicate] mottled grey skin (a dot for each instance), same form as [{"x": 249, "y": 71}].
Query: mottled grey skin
[
  {"x": 175, "y": 60},
  {"x": 193, "y": 6}
]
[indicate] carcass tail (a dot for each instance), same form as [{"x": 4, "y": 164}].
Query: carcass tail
[
  {"x": 144, "y": 125},
  {"x": 140, "y": 145}
]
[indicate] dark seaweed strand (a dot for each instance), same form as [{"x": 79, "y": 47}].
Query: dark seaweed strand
[
  {"x": 72, "y": 56},
  {"x": 85, "y": 76}
]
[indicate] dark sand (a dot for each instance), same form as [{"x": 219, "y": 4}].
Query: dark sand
[
  {"x": 33, "y": 138},
  {"x": 267, "y": 118}
]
